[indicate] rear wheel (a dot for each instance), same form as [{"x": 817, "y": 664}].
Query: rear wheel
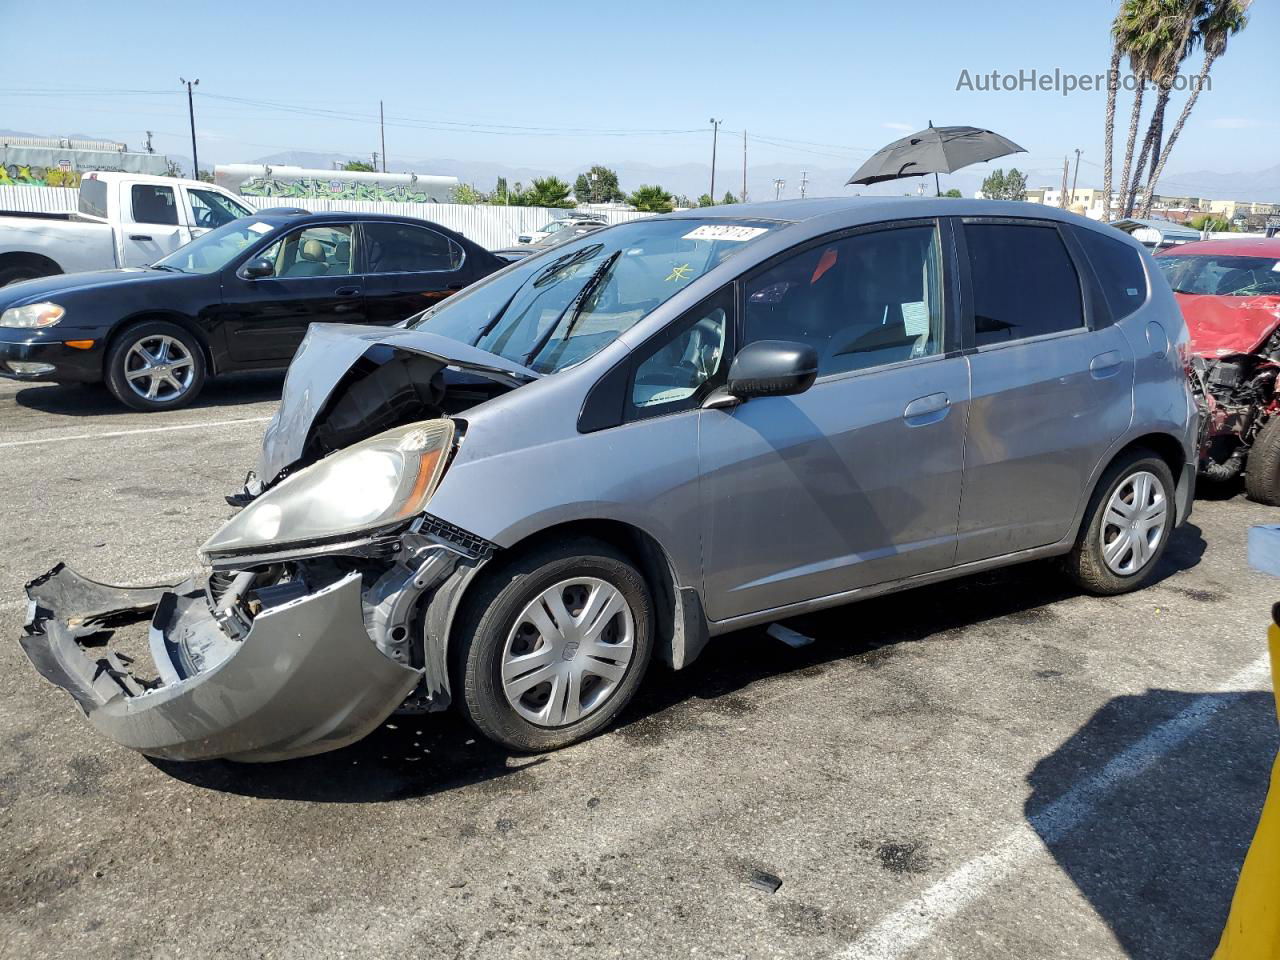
[
  {"x": 155, "y": 366},
  {"x": 1126, "y": 526},
  {"x": 1262, "y": 470},
  {"x": 24, "y": 271},
  {"x": 553, "y": 645}
]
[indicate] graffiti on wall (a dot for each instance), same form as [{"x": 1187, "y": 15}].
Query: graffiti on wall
[
  {"x": 36, "y": 176},
  {"x": 319, "y": 187}
]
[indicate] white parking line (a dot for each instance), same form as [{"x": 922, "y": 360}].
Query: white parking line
[
  {"x": 915, "y": 921},
  {"x": 129, "y": 433}
]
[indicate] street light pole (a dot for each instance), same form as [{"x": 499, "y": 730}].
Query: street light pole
[
  {"x": 191, "y": 112},
  {"x": 715, "y": 130},
  {"x": 1075, "y": 176},
  {"x": 382, "y": 127}
]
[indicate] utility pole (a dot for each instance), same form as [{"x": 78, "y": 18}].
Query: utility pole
[
  {"x": 382, "y": 126},
  {"x": 149, "y": 149},
  {"x": 715, "y": 130},
  {"x": 191, "y": 112},
  {"x": 375, "y": 162},
  {"x": 1075, "y": 176},
  {"x": 744, "y": 166},
  {"x": 778, "y": 184},
  {"x": 1066, "y": 166},
  {"x": 804, "y": 182}
]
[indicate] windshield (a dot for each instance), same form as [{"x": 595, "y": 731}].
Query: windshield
[
  {"x": 1222, "y": 276},
  {"x": 554, "y": 310},
  {"x": 214, "y": 250}
]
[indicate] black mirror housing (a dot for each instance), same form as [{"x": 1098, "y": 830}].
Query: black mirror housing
[
  {"x": 258, "y": 268},
  {"x": 772, "y": 368}
]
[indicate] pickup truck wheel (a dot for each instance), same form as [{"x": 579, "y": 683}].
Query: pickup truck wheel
[
  {"x": 155, "y": 366},
  {"x": 552, "y": 645},
  {"x": 26, "y": 271},
  {"x": 1262, "y": 469}
]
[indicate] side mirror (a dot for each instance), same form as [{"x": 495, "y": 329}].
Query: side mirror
[
  {"x": 772, "y": 368},
  {"x": 257, "y": 269}
]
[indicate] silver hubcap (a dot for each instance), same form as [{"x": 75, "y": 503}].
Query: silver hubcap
[
  {"x": 158, "y": 368},
  {"x": 1134, "y": 523},
  {"x": 568, "y": 652}
]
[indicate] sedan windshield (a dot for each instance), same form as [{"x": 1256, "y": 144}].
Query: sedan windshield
[
  {"x": 214, "y": 250},
  {"x": 554, "y": 310},
  {"x": 1222, "y": 276}
]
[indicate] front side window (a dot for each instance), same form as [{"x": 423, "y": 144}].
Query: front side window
[
  {"x": 1024, "y": 283},
  {"x": 860, "y": 301},
  {"x": 152, "y": 204},
  {"x": 558, "y": 308},
  {"x": 1221, "y": 276},
  {"x": 210, "y": 209},
  {"x": 669, "y": 373},
  {"x": 214, "y": 250},
  {"x": 402, "y": 248},
  {"x": 312, "y": 252}
]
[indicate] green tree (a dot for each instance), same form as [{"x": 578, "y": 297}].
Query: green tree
[
  {"x": 706, "y": 201},
  {"x": 652, "y": 199},
  {"x": 1207, "y": 221},
  {"x": 206, "y": 176},
  {"x": 953, "y": 192},
  {"x": 1005, "y": 186},
  {"x": 547, "y": 192},
  {"x": 683, "y": 202},
  {"x": 358, "y": 166},
  {"x": 602, "y": 189},
  {"x": 466, "y": 193},
  {"x": 729, "y": 197}
]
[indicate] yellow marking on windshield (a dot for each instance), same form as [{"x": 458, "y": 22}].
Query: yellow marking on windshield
[{"x": 681, "y": 272}]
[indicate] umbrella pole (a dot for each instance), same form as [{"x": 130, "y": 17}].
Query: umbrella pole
[{"x": 936, "y": 185}]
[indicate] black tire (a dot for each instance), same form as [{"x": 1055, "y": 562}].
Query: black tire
[
  {"x": 13, "y": 274},
  {"x": 118, "y": 359},
  {"x": 489, "y": 615},
  {"x": 1262, "y": 469},
  {"x": 1085, "y": 564}
]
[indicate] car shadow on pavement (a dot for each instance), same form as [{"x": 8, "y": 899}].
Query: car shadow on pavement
[
  {"x": 415, "y": 756},
  {"x": 1156, "y": 852},
  {"x": 94, "y": 400}
]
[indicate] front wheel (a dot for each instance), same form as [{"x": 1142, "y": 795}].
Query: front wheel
[
  {"x": 1126, "y": 526},
  {"x": 553, "y": 645},
  {"x": 155, "y": 366}
]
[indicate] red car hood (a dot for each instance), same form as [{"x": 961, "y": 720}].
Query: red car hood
[{"x": 1221, "y": 326}]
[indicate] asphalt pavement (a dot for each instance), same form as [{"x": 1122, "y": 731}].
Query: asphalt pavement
[{"x": 996, "y": 767}]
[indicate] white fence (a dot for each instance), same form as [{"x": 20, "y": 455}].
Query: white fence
[{"x": 489, "y": 226}]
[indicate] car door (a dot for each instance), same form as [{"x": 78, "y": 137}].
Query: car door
[
  {"x": 1052, "y": 385},
  {"x": 408, "y": 268},
  {"x": 152, "y": 227},
  {"x": 265, "y": 318},
  {"x": 857, "y": 480}
]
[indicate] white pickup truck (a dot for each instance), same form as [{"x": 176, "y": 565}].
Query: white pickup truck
[{"x": 123, "y": 220}]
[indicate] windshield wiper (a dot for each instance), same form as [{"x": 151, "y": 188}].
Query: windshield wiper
[
  {"x": 574, "y": 308},
  {"x": 166, "y": 267}
]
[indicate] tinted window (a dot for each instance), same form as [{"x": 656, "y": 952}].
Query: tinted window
[
  {"x": 93, "y": 197},
  {"x": 862, "y": 301},
  {"x": 313, "y": 252},
  {"x": 209, "y": 209},
  {"x": 1119, "y": 270},
  {"x": 1024, "y": 283},
  {"x": 401, "y": 248},
  {"x": 671, "y": 371},
  {"x": 154, "y": 205}
]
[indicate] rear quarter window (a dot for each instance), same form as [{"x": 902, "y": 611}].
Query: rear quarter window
[
  {"x": 93, "y": 198},
  {"x": 1119, "y": 270}
]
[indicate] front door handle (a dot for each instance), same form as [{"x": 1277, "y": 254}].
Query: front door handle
[
  {"x": 925, "y": 410},
  {"x": 139, "y": 236},
  {"x": 348, "y": 291},
  {"x": 455, "y": 286},
  {"x": 1106, "y": 364}
]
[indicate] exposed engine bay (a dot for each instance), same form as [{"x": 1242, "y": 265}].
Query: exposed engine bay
[{"x": 1237, "y": 396}]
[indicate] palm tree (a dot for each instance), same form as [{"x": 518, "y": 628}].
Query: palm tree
[
  {"x": 1223, "y": 20},
  {"x": 1113, "y": 85},
  {"x": 652, "y": 199},
  {"x": 1134, "y": 31}
]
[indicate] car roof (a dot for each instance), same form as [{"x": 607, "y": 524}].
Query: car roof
[
  {"x": 1229, "y": 247},
  {"x": 348, "y": 216}
]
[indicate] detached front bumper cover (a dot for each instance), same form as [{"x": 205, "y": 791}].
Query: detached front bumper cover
[{"x": 305, "y": 679}]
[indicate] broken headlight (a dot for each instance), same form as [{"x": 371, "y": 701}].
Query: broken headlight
[{"x": 376, "y": 482}]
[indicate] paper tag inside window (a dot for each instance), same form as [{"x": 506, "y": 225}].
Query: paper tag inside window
[
  {"x": 260, "y": 227},
  {"x": 724, "y": 231},
  {"x": 915, "y": 317}
]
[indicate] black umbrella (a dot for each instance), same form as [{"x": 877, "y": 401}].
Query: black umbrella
[{"x": 934, "y": 150}]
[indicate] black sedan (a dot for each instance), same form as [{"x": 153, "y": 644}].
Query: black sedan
[{"x": 237, "y": 298}]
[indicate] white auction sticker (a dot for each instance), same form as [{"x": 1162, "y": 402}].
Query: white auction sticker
[
  {"x": 260, "y": 227},
  {"x": 724, "y": 231}
]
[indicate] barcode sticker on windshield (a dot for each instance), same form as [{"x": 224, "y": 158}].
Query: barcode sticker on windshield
[
  {"x": 724, "y": 232},
  {"x": 261, "y": 227}
]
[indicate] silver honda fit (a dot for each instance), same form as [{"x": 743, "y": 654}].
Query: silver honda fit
[{"x": 659, "y": 432}]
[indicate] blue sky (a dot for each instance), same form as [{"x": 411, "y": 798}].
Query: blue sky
[{"x": 843, "y": 77}]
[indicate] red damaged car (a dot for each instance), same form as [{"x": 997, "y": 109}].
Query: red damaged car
[{"x": 1229, "y": 291}]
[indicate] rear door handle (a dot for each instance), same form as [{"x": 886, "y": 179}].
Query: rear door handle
[
  {"x": 348, "y": 291},
  {"x": 1106, "y": 364},
  {"x": 139, "y": 236},
  {"x": 925, "y": 410}
]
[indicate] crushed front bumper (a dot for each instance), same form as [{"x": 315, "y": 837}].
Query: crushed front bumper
[{"x": 306, "y": 678}]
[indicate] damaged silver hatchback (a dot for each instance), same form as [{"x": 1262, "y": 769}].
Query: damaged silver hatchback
[{"x": 660, "y": 432}]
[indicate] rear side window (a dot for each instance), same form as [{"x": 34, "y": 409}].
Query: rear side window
[
  {"x": 154, "y": 205},
  {"x": 93, "y": 197},
  {"x": 1024, "y": 283},
  {"x": 401, "y": 248},
  {"x": 1119, "y": 270}
]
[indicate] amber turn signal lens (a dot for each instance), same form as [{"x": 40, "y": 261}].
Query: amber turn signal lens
[{"x": 80, "y": 344}]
